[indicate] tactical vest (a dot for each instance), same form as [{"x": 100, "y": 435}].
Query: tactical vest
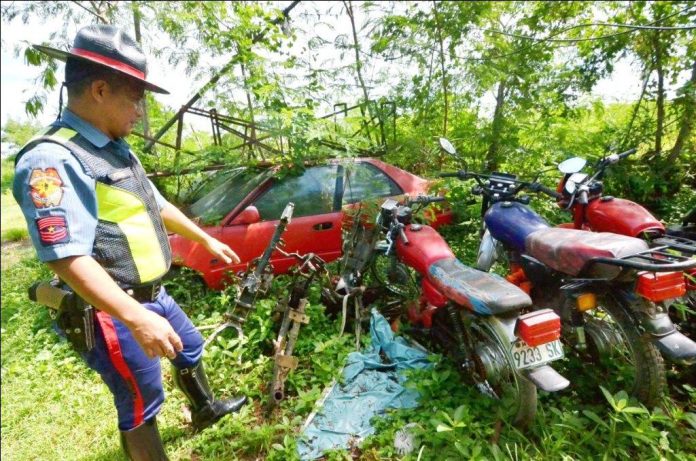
[{"x": 131, "y": 241}]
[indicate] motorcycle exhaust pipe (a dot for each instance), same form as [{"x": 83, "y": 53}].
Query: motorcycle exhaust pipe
[{"x": 671, "y": 343}]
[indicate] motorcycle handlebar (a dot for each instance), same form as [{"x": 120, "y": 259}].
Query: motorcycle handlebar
[
  {"x": 550, "y": 192},
  {"x": 614, "y": 158},
  {"x": 457, "y": 174},
  {"x": 623, "y": 155}
]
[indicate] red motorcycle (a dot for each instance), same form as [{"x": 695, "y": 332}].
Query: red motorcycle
[
  {"x": 486, "y": 324},
  {"x": 582, "y": 195},
  {"x": 607, "y": 288}
]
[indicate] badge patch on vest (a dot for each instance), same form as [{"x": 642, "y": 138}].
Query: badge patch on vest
[
  {"x": 46, "y": 187},
  {"x": 52, "y": 230}
]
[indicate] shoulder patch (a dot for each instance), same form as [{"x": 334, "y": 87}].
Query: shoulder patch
[
  {"x": 46, "y": 187},
  {"x": 52, "y": 230}
]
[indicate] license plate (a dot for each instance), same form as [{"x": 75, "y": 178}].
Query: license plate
[{"x": 525, "y": 356}]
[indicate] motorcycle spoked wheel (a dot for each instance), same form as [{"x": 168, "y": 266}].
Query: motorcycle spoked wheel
[
  {"x": 490, "y": 370},
  {"x": 621, "y": 358},
  {"x": 517, "y": 395},
  {"x": 397, "y": 278}
]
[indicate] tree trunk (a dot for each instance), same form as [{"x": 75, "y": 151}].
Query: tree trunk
[
  {"x": 687, "y": 121},
  {"x": 438, "y": 29},
  {"x": 646, "y": 80},
  {"x": 492, "y": 160},
  {"x": 660, "y": 122},
  {"x": 358, "y": 62},
  {"x": 251, "y": 113},
  {"x": 425, "y": 107}
]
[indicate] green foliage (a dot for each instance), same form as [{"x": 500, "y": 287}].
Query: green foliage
[
  {"x": 17, "y": 132},
  {"x": 510, "y": 83},
  {"x": 13, "y": 235},
  {"x": 44, "y": 378}
]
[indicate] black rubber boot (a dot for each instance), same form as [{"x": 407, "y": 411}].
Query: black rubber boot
[
  {"x": 205, "y": 410},
  {"x": 143, "y": 443}
]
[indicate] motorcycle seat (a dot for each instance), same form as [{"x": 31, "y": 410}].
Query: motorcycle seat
[
  {"x": 569, "y": 250},
  {"x": 484, "y": 293}
]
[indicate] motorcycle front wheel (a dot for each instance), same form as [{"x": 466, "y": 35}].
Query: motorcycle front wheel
[
  {"x": 396, "y": 277},
  {"x": 620, "y": 357}
]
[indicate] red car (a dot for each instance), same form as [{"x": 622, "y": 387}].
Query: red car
[{"x": 241, "y": 207}]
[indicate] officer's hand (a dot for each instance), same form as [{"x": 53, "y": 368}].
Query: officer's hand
[
  {"x": 221, "y": 250},
  {"x": 156, "y": 336}
]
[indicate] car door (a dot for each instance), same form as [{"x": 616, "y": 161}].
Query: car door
[
  {"x": 316, "y": 222},
  {"x": 365, "y": 181}
]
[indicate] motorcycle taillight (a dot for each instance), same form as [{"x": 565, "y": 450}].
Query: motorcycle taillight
[
  {"x": 659, "y": 286},
  {"x": 539, "y": 327}
]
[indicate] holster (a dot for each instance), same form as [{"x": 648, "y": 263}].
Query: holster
[{"x": 74, "y": 316}]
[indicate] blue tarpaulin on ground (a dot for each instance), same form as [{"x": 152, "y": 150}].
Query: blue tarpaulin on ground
[{"x": 370, "y": 386}]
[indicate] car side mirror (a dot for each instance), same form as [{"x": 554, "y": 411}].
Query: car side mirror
[{"x": 250, "y": 215}]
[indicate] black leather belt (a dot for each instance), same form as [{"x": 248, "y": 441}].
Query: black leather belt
[{"x": 146, "y": 293}]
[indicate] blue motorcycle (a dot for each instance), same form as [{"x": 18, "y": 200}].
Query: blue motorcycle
[{"x": 611, "y": 291}]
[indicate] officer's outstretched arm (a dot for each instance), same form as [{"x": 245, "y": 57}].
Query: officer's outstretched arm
[
  {"x": 89, "y": 280},
  {"x": 178, "y": 223}
]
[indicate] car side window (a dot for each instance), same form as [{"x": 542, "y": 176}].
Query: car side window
[
  {"x": 312, "y": 193},
  {"x": 364, "y": 181}
]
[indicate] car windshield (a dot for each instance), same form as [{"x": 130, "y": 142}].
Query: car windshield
[{"x": 217, "y": 203}]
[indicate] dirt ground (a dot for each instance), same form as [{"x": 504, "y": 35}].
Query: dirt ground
[{"x": 13, "y": 252}]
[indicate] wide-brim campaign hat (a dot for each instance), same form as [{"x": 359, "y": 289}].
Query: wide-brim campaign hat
[{"x": 108, "y": 46}]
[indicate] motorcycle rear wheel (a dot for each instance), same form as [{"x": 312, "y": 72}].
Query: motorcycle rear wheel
[
  {"x": 618, "y": 351},
  {"x": 517, "y": 395},
  {"x": 489, "y": 368}
]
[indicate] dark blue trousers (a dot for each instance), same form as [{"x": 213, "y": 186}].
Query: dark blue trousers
[{"x": 134, "y": 379}]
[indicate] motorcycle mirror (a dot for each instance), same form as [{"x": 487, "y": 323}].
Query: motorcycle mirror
[
  {"x": 573, "y": 181},
  {"x": 572, "y": 165},
  {"x": 447, "y": 146}
]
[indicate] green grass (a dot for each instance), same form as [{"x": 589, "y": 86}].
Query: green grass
[
  {"x": 53, "y": 407},
  {"x": 12, "y": 222}
]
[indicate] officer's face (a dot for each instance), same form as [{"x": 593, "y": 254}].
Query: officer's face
[{"x": 124, "y": 108}]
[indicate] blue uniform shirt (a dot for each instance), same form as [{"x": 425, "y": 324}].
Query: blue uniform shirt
[{"x": 58, "y": 197}]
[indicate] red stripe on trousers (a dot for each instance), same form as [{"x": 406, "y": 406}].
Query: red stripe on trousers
[{"x": 114, "y": 349}]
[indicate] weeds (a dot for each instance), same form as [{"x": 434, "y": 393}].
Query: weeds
[
  {"x": 43, "y": 382},
  {"x": 14, "y": 235}
]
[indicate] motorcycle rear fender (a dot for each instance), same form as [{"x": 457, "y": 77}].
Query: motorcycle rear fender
[
  {"x": 544, "y": 377},
  {"x": 671, "y": 343}
]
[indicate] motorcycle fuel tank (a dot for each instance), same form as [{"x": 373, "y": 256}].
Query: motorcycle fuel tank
[
  {"x": 425, "y": 247},
  {"x": 609, "y": 214},
  {"x": 510, "y": 223}
]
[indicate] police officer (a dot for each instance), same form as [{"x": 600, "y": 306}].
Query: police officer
[{"x": 101, "y": 226}]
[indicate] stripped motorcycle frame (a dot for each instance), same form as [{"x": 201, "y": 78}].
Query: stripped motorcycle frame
[
  {"x": 309, "y": 267},
  {"x": 256, "y": 281}
]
